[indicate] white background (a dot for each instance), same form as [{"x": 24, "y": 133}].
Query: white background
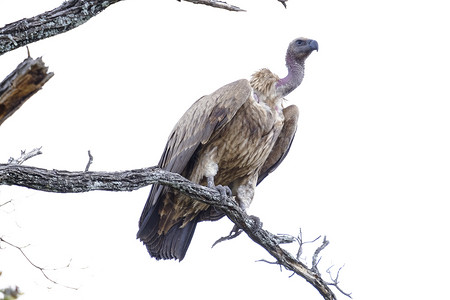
[{"x": 369, "y": 168}]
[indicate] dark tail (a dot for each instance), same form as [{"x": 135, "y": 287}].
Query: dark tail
[{"x": 171, "y": 245}]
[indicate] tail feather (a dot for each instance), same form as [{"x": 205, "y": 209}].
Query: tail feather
[
  {"x": 173, "y": 244},
  {"x": 170, "y": 245}
]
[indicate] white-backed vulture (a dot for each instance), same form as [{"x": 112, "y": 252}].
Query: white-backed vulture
[{"x": 232, "y": 138}]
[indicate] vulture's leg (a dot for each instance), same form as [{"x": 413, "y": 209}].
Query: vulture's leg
[
  {"x": 235, "y": 232},
  {"x": 244, "y": 196},
  {"x": 224, "y": 191},
  {"x": 246, "y": 190}
]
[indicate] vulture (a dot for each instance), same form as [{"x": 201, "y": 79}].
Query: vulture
[{"x": 231, "y": 140}]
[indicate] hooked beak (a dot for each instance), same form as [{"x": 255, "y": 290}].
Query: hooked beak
[{"x": 313, "y": 45}]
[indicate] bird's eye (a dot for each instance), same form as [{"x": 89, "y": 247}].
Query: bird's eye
[{"x": 300, "y": 42}]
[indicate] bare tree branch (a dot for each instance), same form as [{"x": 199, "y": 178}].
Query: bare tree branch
[
  {"x": 225, "y": 5},
  {"x": 24, "y": 156},
  {"x": 59, "y": 181},
  {"x": 301, "y": 243},
  {"x": 67, "y": 16},
  {"x": 216, "y": 4},
  {"x": 316, "y": 259},
  {"x": 5, "y": 203},
  {"x": 283, "y": 2},
  {"x": 28, "y": 78},
  {"x": 42, "y": 270},
  {"x": 335, "y": 281},
  {"x": 89, "y": 163}
]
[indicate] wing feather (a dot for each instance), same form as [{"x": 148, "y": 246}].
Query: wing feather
[
  {"x": 205, "y": 118},
  {"x": 283, "y": 143}
]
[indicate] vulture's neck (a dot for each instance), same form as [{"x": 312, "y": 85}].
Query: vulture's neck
[{"x": 296, "y": 71}]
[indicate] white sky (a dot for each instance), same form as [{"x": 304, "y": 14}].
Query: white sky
[{"x": 369, "y": 168}]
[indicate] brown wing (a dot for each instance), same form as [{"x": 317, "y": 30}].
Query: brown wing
[
  {"x": 283, "y": 143},
  {"x": 200, "y": 122}
]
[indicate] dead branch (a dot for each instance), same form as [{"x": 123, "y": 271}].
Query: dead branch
[
  {"x": 316, "y": 259},
  {"x": 225, "y": 5},
  {"x": 41, "y": 269},
  {"x": 89, "y": 163},
  {"x": 283, "y": 2},
  {"x": 216, "y": 4},
  {"x": 67, "y": 16},
  {"x": 335, "y": 281},
  {"x": 5, "y": 203},
  {"x": 24, "y": 156},
  {"x": 28, "y": 78},
  {"x": 59, "y": 181},
  {"x": 301, "y": 243}
]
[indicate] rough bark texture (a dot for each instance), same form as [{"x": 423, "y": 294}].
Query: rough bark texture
[
  {"x": 21, "y": 84},
  {"x": 58, "y": 181},
  {"x": 69, "y": 15}
]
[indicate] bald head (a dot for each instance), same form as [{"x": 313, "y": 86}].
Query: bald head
[{"x": 299, "y": 49}]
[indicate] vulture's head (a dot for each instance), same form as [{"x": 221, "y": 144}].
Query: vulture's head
[{"x": 300, "y": 48}]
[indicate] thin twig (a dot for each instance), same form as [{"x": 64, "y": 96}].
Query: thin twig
[
  {"x": 89, "y": 163},
  {"x": 3, "y": 204},
  {"x": 301, "y": 243},
  {"x": 283, "y": 2},
  {"x": 268, "y": 262},
  {"x": 335, "y": 282},
  {"x": 42, "y": 270},
  {"x": 216, "y": 4},
  {"x": 24, "y": 156},
  {"x": 274, "y": 263},
  {"x": 315, "y": 258}
]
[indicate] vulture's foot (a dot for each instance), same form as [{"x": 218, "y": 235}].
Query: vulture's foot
[
  {"x": 235, "y": 232},
  {"x": 257, "y": 224},
  {"x": 225, "y": 191}
]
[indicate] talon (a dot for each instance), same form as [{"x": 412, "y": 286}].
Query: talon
[
  {"x": 224, "y": 191},
  {"x": 257, "y": 224},
  {"x": 235, "y": 232},
  {"x": 210, "y": 182}
]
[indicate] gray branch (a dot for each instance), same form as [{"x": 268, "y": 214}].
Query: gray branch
[
  {"x": 24, "y": 156},
  {"x": 216, "y": 4},
  {"x": 67, "y": 16},
  {"x": 59, "y": 181},
  {"x": 225, "y": 5},
  {"x": 41, "y": 269}
]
